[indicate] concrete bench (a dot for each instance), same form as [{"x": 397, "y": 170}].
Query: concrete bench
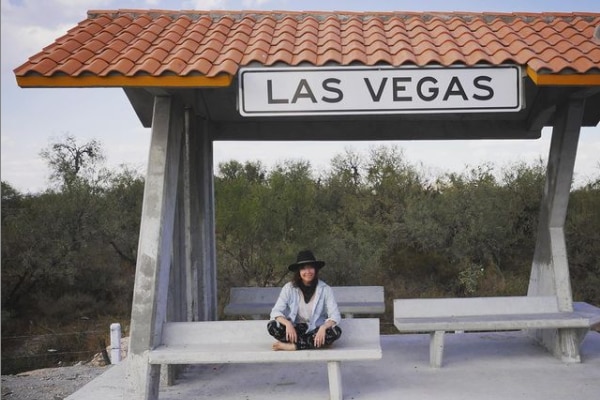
[
  {"x": 223, "y": 342},
  {"x": 352, "y": 300},
  {"x": 485, "y": 314}
]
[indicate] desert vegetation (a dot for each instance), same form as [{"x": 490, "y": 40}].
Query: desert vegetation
[{"x": 69, "y": 252}]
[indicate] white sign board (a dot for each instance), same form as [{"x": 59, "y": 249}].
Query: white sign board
[{"x": 378, "y": 90}]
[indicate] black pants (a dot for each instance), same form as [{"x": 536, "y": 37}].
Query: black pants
[{"x": 306, "y": 339}]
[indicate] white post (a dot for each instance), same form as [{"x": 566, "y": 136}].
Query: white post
[{"x": 115, "y": 343}]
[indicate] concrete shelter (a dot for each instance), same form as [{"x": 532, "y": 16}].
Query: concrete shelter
[{"x": 426, "y": 76}]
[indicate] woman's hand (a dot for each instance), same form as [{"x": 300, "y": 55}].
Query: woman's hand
[
  {"x": 320, "y": 336},
  {"x": 290, "y": 330}
]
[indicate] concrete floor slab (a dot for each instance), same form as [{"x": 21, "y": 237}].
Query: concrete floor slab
[{"x": 491, "y": 366}]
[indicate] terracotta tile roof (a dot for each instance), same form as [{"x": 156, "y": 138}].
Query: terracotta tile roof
[{"x": 124, "y": 45}]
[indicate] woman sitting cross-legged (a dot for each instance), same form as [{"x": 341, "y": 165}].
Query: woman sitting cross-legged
[{"x": 306, "y": 315}]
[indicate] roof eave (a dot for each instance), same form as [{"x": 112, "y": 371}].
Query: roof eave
[
  {"x": 36, "y": 81},
  {"x": 541, "y": 79}
]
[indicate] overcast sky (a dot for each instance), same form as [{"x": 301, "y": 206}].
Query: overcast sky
[{"x": 31, "y": 118}]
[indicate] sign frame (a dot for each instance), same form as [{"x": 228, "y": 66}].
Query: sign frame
[{"x": 256, "y": 83}]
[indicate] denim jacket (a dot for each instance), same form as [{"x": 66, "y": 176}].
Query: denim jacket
[{"x": 325, "y": 306}]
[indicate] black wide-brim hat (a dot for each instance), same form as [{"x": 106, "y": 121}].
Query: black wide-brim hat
[{"x": 306, "y": 257}]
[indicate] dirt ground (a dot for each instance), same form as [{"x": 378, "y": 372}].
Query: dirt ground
[
  {"x": 55, "y": 383},
  {"x": 48, "y": 383}
]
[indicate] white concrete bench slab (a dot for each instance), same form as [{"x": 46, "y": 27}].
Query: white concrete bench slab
[
  {"x": 590, "y": 311},
  {"x": 352, "y": 300},
  {"x": 222, "y": 342},
  {"x": 440, "y": 315}
]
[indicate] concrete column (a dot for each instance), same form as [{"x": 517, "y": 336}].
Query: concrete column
[
  {"x": 209, "y": 242},
  {"x": 201, "y": 247},
  {"x": 550, "y": 268},
  {"x": 176, "y": 309},
  {"x": 193, "y": 221},
  {"x": 189, "y": 223},
  {"x": 176, "y": 299},
  {"x": 149, "y": 307},
  {"x": 204, "y": 193}
]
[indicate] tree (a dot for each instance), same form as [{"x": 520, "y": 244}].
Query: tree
[
  {"x": 262, "y": 219},
  {"x": 239, "y": 193},
  {"x": 71, "y": 162},
  {"x": 63, "y": 250},
  {"x": 120, "y": 214},
  {"x": 37, "y": 250},
  {"x": 582, "y": 230}
]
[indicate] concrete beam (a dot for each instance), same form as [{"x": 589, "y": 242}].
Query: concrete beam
[{"x": 371, "y": 129}]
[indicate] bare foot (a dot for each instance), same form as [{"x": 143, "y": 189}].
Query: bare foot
[{"x": 284, "y": 346}]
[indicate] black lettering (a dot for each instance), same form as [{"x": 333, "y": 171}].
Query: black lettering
[
  {"x": 400, "y": 88},
  {"x": 375, "y": 96},
  {"x": 433, "y": 91},
  {"x": 303, "y": 91},
  {"x": 327, "y": 87},
  {"x": 270, "y": 98},
  {"x": 477, "y": 83},
  {"x": 458, "y": 91}
]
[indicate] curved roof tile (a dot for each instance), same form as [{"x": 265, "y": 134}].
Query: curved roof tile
[
  {"x": 187, "y": 43},
  {"x": 71, "y": 67},
  {"x": 197, "y": 65},
  {"x": 96, "y": 67},
  {"x": 121, "y": 66},
  {"x": 149, "y": 65},
  {"x": 228, "y": 67},
  {"x": 255, "y": 55},
  {"x": 330, "y": 55},
  {"x": 43, "y": 66}
]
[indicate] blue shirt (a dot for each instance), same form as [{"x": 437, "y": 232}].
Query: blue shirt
[{"x": 325, "y": 306}]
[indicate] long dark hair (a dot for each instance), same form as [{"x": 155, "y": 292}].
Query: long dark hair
[{"x": 296, "y": 280}]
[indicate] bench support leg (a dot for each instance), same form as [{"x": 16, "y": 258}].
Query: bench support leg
[
  {"x": 569, "y": 345},
  {"x": 335, "y": 380},
  {"x": 562, "y": 343},
  {"x": 168, "y": 373},
  {"x": 436, "y": 349},
  {"x": 142, "y": 378}
]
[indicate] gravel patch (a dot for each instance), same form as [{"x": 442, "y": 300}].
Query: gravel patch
[{"x": 48, "y": 383}]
